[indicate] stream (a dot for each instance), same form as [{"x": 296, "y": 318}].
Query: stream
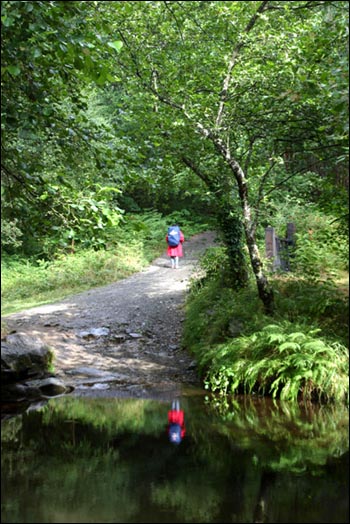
[{"x": 106, "y": 459}]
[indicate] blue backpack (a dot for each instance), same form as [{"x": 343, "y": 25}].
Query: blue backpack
[
  {"x": 173, "y": 236},
  {"x": 175, "y": 433}
]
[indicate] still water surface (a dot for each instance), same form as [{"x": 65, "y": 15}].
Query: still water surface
[{"x": 77, "y": 460}]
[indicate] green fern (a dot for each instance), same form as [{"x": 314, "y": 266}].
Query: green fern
[{"x": 271, "y": 362}]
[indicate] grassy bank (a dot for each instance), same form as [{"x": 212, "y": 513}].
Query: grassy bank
[
  {"x": 301, "y": 353},
  {"x": 32, "y": 282}
]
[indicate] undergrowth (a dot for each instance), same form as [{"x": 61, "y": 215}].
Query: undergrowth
[
  {"x": 284, "y": 360},
  {"x": 299, "y": 354}
]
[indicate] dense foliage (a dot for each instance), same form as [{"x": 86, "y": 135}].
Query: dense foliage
[
  {"x": 299, "y": 354},
  {"x": 114, "y": 113},
  {"x": 114, "y": 106}
]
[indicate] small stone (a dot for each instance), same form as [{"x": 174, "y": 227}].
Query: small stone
[
  {"x": 94, "y": 332},
  {"x": 135, "y": 335},
  {"x": 100, "y": 386}
]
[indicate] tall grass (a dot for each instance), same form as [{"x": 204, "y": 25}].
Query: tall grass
[
  {"x": 25, "y": 283},
  {"x": 30, "y": 282}
]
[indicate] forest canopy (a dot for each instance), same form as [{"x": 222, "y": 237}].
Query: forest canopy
[{"x": 236, "y": 109}]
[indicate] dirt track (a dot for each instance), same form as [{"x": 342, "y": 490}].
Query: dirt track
[{"x": 115, "y": 340}]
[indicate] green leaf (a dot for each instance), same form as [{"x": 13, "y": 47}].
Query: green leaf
[
  {"x": 117, "y": 45},
  {"x": 14, "y": 70},
  {"x": 7, "y": 21},
  {"x": 289, "y": 345}
]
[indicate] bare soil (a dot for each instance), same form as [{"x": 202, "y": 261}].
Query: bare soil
[{"x": 122, "y": 339}]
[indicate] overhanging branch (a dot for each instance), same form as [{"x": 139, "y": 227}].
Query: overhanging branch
[{"x": 232, "y": 63}]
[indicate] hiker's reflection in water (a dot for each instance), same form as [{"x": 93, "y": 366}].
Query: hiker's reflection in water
[{"x": 176, "y": 423}]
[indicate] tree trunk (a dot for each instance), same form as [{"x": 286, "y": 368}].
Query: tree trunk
[
  {"x": 230, "y": 225},
  {"x": 231, "y": 228},
  {"x": 264, "y": 289}
]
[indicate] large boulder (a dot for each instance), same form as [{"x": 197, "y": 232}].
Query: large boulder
[{"x": 24, "y": 356}]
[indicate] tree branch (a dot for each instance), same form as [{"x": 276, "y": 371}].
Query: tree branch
[
  {"x": 19, "y": 179},
  {"x": 232, "y": 63},
  {"x": 307, "y": 5},
  {"x": 173, "y": 15},
  {"x": 303, "y": 170},
  {"x": 205, "y": 178}
]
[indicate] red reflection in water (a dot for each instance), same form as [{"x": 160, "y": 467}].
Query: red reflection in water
[{"x": 176, "y": 423}]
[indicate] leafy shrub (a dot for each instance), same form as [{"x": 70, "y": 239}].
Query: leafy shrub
[
  {"x": 190, "y": 223},
  {"x": 315, "y": 301},
  {"x": 321, "y": 243},
  {"x": 10, "y": 233},
  {"x": 284, "y": 360},
  {"x": 212, "y": 264},
  {"x": 316, "y": 254},
  {"x": 215, "y": 313}
]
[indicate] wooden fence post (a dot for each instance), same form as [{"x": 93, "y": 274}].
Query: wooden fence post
[
  {"x": 278, "y": 250},
  {"x": 271, "y": 247}
]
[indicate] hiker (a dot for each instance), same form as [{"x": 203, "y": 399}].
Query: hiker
[
  {"x": 174, "y": 238},
  {"x": 176, "y": 423}
]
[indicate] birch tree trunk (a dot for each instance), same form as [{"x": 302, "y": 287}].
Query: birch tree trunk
[
  {"x": 230, "y": 226},
  {"x": 264, "y": 289}
]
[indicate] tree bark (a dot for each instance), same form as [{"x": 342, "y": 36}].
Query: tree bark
[
  {"x": 265, "y": 291},
  {"x": 230, "y": 225}
]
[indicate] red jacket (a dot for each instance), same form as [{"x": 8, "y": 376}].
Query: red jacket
[
  {"x": 177, "y": 417},
  {"x": 176, "y": 251}
]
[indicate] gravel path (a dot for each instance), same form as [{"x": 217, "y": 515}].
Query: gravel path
[{"x": 117, "y": 339}]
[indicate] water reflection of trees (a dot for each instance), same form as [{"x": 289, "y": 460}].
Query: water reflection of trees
[
  {"x": 241, "y": 461},
  {"x": 300, "y": 436}
]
